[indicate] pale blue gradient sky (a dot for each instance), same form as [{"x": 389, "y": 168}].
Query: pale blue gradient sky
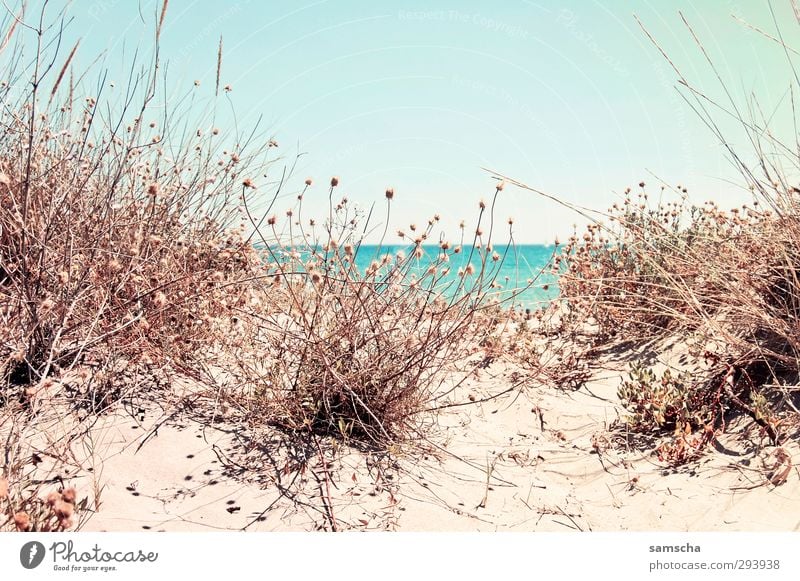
[{"x": 569, "y": 97}]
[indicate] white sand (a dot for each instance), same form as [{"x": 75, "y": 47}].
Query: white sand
[{"x": 188, "y": 476}]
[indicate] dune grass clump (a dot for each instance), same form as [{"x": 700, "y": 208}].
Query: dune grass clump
[
  {"x": 117, "y": 216},
  {"x": 357, "y": 349},
  {"x": 727, "y": 282}
]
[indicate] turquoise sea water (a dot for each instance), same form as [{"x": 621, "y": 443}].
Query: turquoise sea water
[{"x": 517, "y": 265}]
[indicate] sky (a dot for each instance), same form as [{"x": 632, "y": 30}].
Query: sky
[{"x": 569, "y": 97}]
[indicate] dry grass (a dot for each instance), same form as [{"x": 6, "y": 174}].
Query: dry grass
[
  {"x": 133, "y": 236},
  {"x": 334, "y": 349},
  {"x": 728, "y": 282}
]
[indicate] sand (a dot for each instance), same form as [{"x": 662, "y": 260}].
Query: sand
[{"x": 524, "y": 461}]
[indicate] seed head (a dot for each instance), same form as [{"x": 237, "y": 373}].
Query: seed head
[
  {"x": 389, "y": 193},
  {"x": 334, "y": 181},
  {"x": 309, "y": 181},
  {"x": 63, "y": 509},
  {"x": 22, "y": 521},
  {"x": 500, "y": 185},
  {"x": 69, "y": 495}
]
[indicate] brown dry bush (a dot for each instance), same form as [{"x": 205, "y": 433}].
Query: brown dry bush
[
  {"x": 728, "y": 282},
  {"x": 358, "y": 352},
  {"x": 117, "y": 215}
]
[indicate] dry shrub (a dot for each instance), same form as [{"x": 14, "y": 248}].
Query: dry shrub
[
  {"x": 116, "y": 219},
  {"x": 28, "y": 512},
  {"x": 358, "y": 351},
  {"x": 728, "y": 282}
]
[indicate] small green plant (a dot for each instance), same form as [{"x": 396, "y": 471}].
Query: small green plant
[{"x": 668, "y": 402}]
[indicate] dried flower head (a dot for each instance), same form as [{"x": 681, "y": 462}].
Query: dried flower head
[
  {"x": 63, "y": 509},
  {"x": 309, "y": 181},
  {"x": 389, "y": 193},
  {"x": 69, "y": 495},
  {"x": 22, "y": 521},
  {"x": 334, "y": 181}
]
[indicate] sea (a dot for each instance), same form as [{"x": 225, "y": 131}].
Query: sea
[{"x": 522, "y": 271}]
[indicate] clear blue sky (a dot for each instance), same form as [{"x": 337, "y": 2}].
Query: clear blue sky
[{"x": 569, "y": 97}]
